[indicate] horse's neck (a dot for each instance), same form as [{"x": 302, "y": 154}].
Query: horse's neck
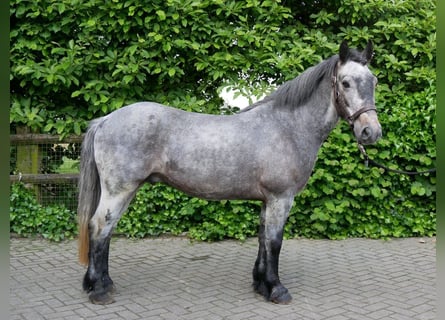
[{"x": 314, "y": 120}]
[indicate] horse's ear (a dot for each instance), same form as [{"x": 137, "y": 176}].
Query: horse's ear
[
  {"x": 368, "y": 52},
  {"x": 344, "y": 51}
]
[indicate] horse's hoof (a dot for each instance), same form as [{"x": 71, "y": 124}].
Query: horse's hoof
[
  {"x": 110, "y": 288},
  {"x": 280, "y": 295},
  {"x": 101, "y": 298}
]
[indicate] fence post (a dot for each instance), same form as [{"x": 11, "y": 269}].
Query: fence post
[{"x": 28, "y": 158}]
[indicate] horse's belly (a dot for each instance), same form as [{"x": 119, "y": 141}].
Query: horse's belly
[{"x": 214, "y": 183}]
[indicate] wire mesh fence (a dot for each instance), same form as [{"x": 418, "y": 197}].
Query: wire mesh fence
[{"x": 48, "y": 166}]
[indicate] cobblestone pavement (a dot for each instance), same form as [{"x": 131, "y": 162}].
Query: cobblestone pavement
[{"x": 174, "y": 278}]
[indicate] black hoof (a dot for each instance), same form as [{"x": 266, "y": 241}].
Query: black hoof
[
  {"x": 106, "y": 285},
  {"x": 101, "y": 298},
  {"x": 280, "y": 295},
  {"x": 110, "y": 288},
  {"x": 101, "y": 290}
]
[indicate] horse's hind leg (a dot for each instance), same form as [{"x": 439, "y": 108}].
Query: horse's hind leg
[
  {"x": 266, "y": 281},
  {"x": 110, "y": 209}
]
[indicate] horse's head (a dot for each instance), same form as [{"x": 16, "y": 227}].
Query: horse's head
[{"x": 353, "y": 86}]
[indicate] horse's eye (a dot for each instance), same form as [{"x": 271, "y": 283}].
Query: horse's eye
[{"x": 345, "y": 84}]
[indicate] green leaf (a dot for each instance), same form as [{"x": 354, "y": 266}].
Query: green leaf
[
  {"x": 77, "y": 128},
  {"x": 127, "y": 79},
  {"x": 376, "y": 192},
  {"x": 76, "y": 93},
  {"x": 171, "y": 72},
  {"x": 161, "y": 14},
  {"x": 330, "y": 205},
  {"x": 417, "y": 189}
]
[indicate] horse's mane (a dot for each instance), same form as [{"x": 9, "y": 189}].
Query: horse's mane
[{"x": 297, "y": 91}]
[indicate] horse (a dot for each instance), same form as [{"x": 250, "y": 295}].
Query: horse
[{"x": 265, "y": 152}]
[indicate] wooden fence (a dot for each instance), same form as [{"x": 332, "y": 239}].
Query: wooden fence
[
  {"x": 28, "y": 158},
  {"x": 27, "y": 154}
]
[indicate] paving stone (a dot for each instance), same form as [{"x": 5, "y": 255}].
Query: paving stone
[{"x": 174, "y": 278}]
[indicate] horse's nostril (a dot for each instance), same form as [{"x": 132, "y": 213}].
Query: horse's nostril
[{"x": 366, "y": 133}]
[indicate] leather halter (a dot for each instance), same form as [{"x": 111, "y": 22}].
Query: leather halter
[{"x": 341, "y": 105}]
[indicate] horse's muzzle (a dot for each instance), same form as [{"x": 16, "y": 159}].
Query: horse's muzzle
[
  {"x": 369, "y": 135},
  {"x": 367, "y": 128}
]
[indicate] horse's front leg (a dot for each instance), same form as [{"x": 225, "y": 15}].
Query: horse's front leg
[{"x": 265, "y": 272}]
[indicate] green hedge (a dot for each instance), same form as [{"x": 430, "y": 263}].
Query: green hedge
[
  {"x": 27, "y": 217},
  {"x": 73, "y": 61}
]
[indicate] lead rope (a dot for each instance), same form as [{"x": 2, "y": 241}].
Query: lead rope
[{"x": 370, "y": 161}]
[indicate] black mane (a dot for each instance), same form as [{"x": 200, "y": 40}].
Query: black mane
[{"x": 297, "y": 91}]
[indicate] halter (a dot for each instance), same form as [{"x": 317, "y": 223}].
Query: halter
[{"x": 341, "y": 104}]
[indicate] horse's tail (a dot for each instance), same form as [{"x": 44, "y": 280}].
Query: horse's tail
[{"x": 89, "y": 190}]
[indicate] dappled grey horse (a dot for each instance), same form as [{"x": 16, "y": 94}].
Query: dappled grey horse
[{"x": 266, "y": 152}]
